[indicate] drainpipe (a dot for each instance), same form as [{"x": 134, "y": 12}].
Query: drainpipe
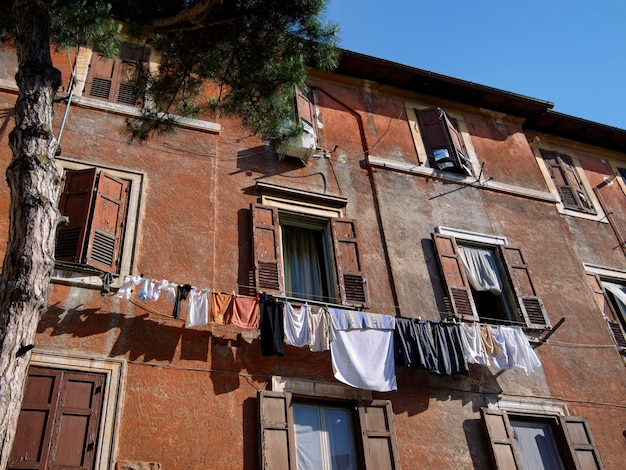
[
  {"x": 361, "y": 127},
  {"x": 69, "y": 98}
]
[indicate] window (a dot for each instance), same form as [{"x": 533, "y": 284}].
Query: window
[
  {"x": 306, "y": 433},
  {"x": 307, "y": 256},
  {"x": 443, "y": 142},
  {"x": 568, "y": 182},
  {"x": 95, "y": 203},
  {"x": 59, "y": 421},
  {"x": 536, "y": 442},
  {"x": 611, "y": 297},
  {"x": 109, "y": 79},
  {"x": 487, "y": 281}
]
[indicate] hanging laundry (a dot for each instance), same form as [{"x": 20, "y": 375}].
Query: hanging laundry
[
  {"x": 414, "y": 344},
  {"x": 472, "y": 341},
  {"x": 321, "y": 329},
  {"x": 127, "y": 286},
  {"x": 489, "y": 343},
  {"x": 221, "y": 308},
  {"x": 198, "y": 313},
  {"x": 143, "y": 292},
  {"x": 182, "y": 290},
  {"x": 107, "y": 279},
  {"x": 297, "y": 326},
  {"x": 170, "y": 290},
  {"x": 449, "y": 349},
  {"x": 362, "y": 354},
  {"x": 518, "y": 350},
  {"x": 154, "y": 291},
  {"x": 272, "y": 328},
  {"x": 245, "y": 312}
]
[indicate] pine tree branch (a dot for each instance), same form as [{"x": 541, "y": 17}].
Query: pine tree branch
[{"x": 193, "y": 15}]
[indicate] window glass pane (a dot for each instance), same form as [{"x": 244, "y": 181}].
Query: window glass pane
[
  {"x": 338, "y": 428},
  {"x": 306, "y": 272},
  {"x": 536, "y": 445},
  {"x": 308, "y": 437}
]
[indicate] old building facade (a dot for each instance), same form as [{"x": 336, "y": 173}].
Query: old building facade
[{"x": 401, "y": 175}]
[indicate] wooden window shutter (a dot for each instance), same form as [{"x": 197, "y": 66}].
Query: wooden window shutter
[
  {"x": 504, "y": 453},
  {"x": 277, "y": 447},
  {"x": 566, "y": 179},
  {"x": 582, "y": 446},
  {"x": 530, "y": 304},
  {"x": 609, "y": 313},
  {"x": 268, "y": 266},
  {"x": 439, "y": 134},
  {"x": 379, "y": 439},
  {"x": 305, "y": 108},
  {"x": 101, "y": 78},
  {"x": 350, "y": 275},
  {"x": 459, "y": 298},
  {"x": 106, "y": 231},
  {"x": 75, "y": 204}
]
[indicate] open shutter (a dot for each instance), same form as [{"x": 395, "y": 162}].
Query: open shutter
[
  {"x": 101, "y": 77},
  {"x": 107, "y": 223},
  {"x": 306, "y": 112},
  {"x": 530, "y": 304},
  {"x": 608, "y": 311},
  {"x": 581, "y": 444},
  {"x": 379, "y": 438},
  {"x": 459, "y": 295},
  {"x": 268, "y": 267},
  {"x": 277, "y": 446},
  {"x": 442, "y": 141},
  {"x": 502, "y": 442},
  {"x": 75, "y": 204},
  {"x": 567, "y": 181},
  {"x": 350, "y": 275}
]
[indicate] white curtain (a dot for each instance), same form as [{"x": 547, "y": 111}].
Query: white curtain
[
  {"x": 619, "y": 293},
  {"x": 303, "y": 275},
  {"x": 536, "y": 445},
  {"x": 481, "y": 268}
]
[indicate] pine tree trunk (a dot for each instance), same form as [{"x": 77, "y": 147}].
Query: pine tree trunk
[{"x": 34, "y": 185}]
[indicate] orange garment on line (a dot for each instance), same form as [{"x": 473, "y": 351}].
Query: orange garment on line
[{"x": 221, "y": 308}]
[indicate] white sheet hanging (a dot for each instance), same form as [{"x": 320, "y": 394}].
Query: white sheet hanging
[
  {"x": 481, "y": 268},
  {"x": 619, "y": 292}
]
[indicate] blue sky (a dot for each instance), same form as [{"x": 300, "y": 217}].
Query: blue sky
[{"x": 572, "y": 53}]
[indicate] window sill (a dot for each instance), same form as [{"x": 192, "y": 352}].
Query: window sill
[
  {"x": 384, "y": 163},
  {"x": 76, "y": 275}
]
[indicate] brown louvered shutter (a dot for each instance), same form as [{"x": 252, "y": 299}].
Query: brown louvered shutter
[
  {"x": 566, "y": 179},
  {"x": 458, "y": 293},
  {"x": 277, "y": 448},
  {"x": 504, "y": 454},
  {"x": 75, "y": 204},
  {"x": 106, "y": 231},
  {"x": 268, "y": 266},
  {"x": 581, "y": 444},
  {"x": 378, "y": 435},
  {"x": 530, "y": 304},
  {"x": 442, "y": 141},
  {"x": 606, "y": 307},
  {"x": 306, "y": 111},
  {"x": 352, "y": 282},
  {"x": 101, "y": 77},
  {"x": 131, "y": 55}
]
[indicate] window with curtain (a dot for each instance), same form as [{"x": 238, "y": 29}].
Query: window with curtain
[
  {"x": 324, "y": 438},
  {"x": 536, "y": 444},
  {"x": 307, "y": 260}
]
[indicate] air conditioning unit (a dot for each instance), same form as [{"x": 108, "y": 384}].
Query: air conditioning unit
[{"x": 300, "y": 146}]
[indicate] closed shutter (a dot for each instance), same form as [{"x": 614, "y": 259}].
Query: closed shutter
[
  {"x": 379, "y": 440},
  {"x": 59, "y": 420},
  {"x": 606, "y": 307},
  {"x": 75, "y": 204},
  {"x": 567, "y": 181},
  {"x": 350, "y": 275},
  {"x": 581, "y": 444},
  {"x": 442, "y": 141},
  {"x": 277, "y": 446},
  {"x": 502, "y": 442},
  {"x": 530, "y": 304},
  {"x": 268, "y": 267},
  {"x": 459, "y": 296},
  {"x": 107, "y": 223}
]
